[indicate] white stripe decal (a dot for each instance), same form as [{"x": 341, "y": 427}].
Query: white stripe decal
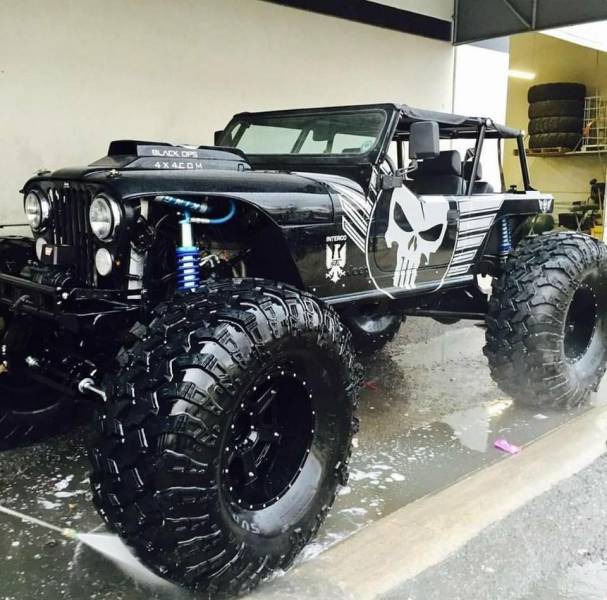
[
  {"x": 357, "y": 199},
  {"x": 475, "y": 223},
  {"x": 458, "y": 270},
  {"x": 353, "y": 235},
  {"x": 355, "y": 217},
  {"x": 478, "y": 205},
  {"x": 473, "y": 241},
  {"x": 464, "y": 257}
]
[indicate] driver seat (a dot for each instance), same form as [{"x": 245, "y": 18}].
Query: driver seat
[{"x": 440, "y": 175}]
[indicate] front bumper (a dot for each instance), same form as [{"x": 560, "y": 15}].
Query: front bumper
[{"x": 73, "y": 309}]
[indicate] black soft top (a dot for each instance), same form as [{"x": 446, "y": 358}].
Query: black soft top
[
  {"x": 455, "y": 125},
  {"x": 450, "y": 125}
]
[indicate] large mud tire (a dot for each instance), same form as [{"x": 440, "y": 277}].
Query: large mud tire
[
  {"x": 555, "y": 125},
  {"x": 547, "y": 322},
  {"x": 569, "y": 141},
  {"x": 175, "y": 474},
  {"x": 556, "y": 91},
  {"x": 556, "y": 108}
]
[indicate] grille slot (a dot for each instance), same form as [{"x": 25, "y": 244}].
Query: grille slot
[{"x": 70, "y": 226}]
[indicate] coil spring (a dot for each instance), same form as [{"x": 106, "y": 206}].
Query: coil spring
[
  {"x": 505, "y": 246},
  {"x": 188, "y": 268}
]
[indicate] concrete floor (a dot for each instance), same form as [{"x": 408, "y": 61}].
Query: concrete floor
[
  {"x": 552, "y": 549},
  {"x": 429, "y": 416}
]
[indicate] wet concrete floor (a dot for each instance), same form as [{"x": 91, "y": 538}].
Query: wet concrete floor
[{"x": 429, "y": 415}]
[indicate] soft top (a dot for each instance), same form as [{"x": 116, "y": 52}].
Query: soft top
[
  {"x": 460, "y": 125},
  {"x": 451, "y": 125}
]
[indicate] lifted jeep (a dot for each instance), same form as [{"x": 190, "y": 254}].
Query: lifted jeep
[{"x": 212, "y": 300}]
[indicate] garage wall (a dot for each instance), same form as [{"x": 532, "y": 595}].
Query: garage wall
[
  {"x": 554, "y": 60},
  {"x": 483, "y": 96},
  {"x": 75, "y": 74}
]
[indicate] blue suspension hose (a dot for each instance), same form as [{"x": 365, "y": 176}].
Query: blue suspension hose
[
  {"x": 226, "y": 218},
  {"x": 197, "y": 208}
]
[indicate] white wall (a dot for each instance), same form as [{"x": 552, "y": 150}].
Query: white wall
[
  {"x": 481, "y": 90},
  {"x": 75, "y": 74}
]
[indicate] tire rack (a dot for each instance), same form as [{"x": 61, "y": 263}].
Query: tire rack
[{"x": 595, "y": 124}]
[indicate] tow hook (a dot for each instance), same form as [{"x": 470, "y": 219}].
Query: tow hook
[{"x": 87, "y": 386}]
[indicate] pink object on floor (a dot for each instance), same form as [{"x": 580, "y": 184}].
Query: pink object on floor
[{"x": 506, "y": 446}]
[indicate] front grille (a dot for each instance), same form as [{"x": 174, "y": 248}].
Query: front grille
[{"x": 70, "y": 226}]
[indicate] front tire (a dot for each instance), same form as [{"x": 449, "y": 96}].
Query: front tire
[
  {"x": 547, "y": 322},
  {"x": 227, "y": 433}
]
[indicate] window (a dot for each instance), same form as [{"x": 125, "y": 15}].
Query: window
[
  {"x": 330, "y": 132},
  {"x": 256, "y": 138}
]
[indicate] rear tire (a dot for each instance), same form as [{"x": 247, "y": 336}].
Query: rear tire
[
  {"x": 228, "y": 431},
  {"x": 547, "y": 322}
]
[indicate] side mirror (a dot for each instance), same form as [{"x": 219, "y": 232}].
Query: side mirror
[
  {"x": 218, "y": 137},
  {"x": 424, "y": 140}
]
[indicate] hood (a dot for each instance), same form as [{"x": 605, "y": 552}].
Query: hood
[{"x": 288, "y": 198}]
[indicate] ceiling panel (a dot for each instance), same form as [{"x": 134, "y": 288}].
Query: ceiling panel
[{"x": 483, "y": 19}]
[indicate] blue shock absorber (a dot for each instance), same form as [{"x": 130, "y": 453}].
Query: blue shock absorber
[
  {"x": 188, "y": 268},
  {"x": 188, "y": 258},
  {"x": 505, "y": 246},
  {"x": 188, "y": 255}
]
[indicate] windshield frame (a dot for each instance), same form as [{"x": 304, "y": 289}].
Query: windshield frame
[{"x": 388, "y": 112}]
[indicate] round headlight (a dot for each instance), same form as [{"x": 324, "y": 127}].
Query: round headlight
[
  {"x": 104, "y": 217},
  {"x": 37, "y": 210},
  {"x": 103, "y": 262}
]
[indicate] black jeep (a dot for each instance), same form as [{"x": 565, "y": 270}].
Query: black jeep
[{"x": 212, "y": 300}]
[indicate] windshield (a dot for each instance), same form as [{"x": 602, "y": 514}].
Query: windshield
[{"x": 319, "y": 133}]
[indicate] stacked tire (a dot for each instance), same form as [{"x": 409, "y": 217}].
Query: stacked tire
[{"x": 556, "y": 112}]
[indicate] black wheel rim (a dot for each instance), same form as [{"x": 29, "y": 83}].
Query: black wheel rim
[
  {"x": 580, "y": 323},
  {"x": 268, "y": 440}
]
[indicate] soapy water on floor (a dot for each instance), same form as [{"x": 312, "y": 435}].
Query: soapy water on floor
[
  {"x": 430, "y": 418},
  {"x": 107, "y": 545}
]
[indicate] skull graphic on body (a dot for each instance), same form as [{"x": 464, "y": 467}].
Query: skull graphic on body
[{"x": 418, "y": 227}]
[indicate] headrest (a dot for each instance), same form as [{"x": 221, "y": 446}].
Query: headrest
[
  {"x": 468, "y": 170},
  {"x": 448, "y": 162}
]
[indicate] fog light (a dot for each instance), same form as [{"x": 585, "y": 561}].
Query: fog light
[
  {"x": 103, "y": 262},
  {"x": 40, "y": 243}
]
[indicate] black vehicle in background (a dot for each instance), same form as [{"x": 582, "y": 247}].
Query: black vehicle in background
[{"x": 213, "y": 299}]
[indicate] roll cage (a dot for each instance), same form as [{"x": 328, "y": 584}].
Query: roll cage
[{"x": 452, "y": 127}]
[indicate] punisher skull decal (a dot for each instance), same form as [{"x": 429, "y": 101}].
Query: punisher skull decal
[{"x": 418, "y": 229}]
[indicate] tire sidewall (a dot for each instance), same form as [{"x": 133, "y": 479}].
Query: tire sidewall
[{"x": 329, "y": 443}]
